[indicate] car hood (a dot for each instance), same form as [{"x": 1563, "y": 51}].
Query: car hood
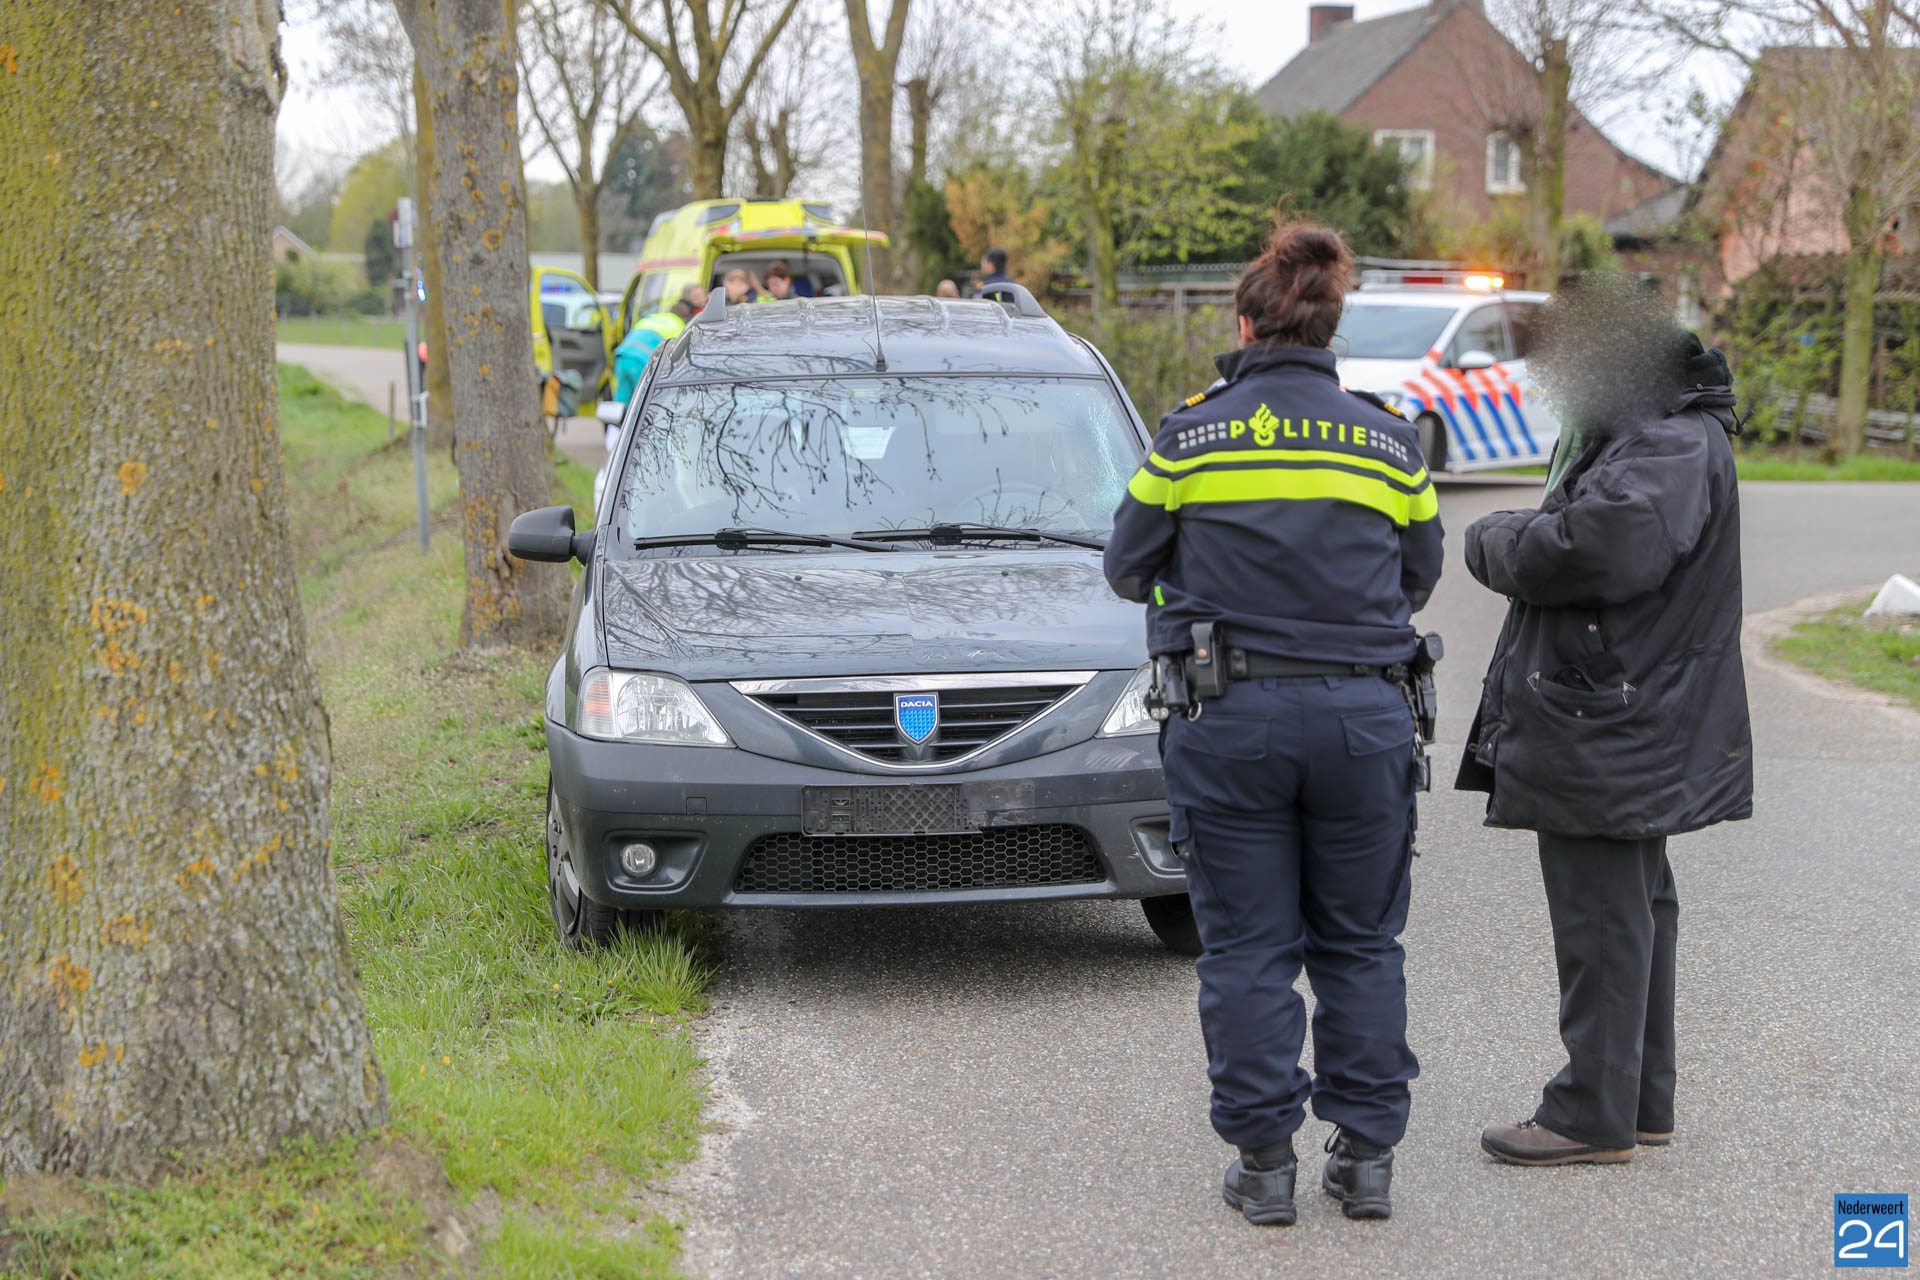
[{"x": 754, "y": 616}]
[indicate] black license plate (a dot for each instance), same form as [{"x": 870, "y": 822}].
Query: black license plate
[{"x": 911, "y": 809}]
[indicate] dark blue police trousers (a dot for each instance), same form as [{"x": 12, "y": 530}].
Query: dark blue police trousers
[{"x": 1293, "y": 801}]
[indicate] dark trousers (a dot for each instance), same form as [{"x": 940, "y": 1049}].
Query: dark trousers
[
  {"x": 1615, "y": 917},
  {"x": 1293, "y": 802}
]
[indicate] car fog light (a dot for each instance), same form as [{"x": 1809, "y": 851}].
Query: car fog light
[{"x": 638, "y": 859}]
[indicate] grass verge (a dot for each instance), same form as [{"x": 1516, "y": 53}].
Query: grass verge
[
  {"x": 1882, "y": 654},
  {"x": 344, "y": 331},
  {"x": 1757, "y": 465},
  {"x": 552, "y": 1088}
]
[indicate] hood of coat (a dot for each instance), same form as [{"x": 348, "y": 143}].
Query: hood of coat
[{"x": 1716, "y": 402}]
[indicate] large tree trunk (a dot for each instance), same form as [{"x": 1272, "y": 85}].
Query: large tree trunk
[
  {"x": 1547, "y": 189},
  {"x": 875, "y": 63},
  {"x": 1856, "y": 326},
  {"x": 426, "y": 255},
  {"x": 1096, "y": 222},
  {"x": 876, "y": 149},
  {"x": 1103, "y": 270},
  {"x": 175, "y": 985},
  {"x": 920, "y": 100},
  {"x": 465, "y": 49},
  {"x": 757, "y": 159},
  {"x": 586, "y": 203},
  {"x": 707, "y": 146},
  {"x": 786, "y": 156}
]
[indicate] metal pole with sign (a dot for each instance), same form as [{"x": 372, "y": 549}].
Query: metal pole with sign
[{"x": 416, "y": 375}]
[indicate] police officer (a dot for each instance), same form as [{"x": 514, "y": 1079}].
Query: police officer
[{"x": 1282, "y": 534}]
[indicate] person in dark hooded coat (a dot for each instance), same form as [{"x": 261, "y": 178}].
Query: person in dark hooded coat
[{"x": 1614, "y": 711}]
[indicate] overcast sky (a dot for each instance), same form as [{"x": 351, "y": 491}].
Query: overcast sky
[{"x": 1254, "y": 38}]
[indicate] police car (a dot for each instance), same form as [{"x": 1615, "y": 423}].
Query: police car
[{"x": 1448, "y": 350}]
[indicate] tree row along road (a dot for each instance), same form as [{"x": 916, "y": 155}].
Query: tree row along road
[{"x": 1021, "y": 1090}]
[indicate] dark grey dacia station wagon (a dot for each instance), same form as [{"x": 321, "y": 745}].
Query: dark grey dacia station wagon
[{"x": 842, "y": 635}]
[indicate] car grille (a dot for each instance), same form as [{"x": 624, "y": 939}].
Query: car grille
[
  {"x": 998, "y": 858},
  {"x": 861, "y": 720}
]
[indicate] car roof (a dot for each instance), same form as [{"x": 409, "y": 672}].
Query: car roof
[
  {"x": 1436, "y": 296},
  {"x": 834, "y": 337}
]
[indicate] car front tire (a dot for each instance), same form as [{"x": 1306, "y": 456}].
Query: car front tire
[
  {"x": 580, "y": 922},
  {"x": 1171, "y": 919}
]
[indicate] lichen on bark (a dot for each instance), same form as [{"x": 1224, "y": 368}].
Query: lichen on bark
[{"x": 175, "y": 985}]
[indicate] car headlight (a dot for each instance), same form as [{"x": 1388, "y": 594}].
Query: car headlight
[
  {"x": 635, "y": 706},
  {"x": 1129, "y": 714}
]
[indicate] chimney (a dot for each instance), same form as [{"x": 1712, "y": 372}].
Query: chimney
[{"x": 1322, "y": 16}]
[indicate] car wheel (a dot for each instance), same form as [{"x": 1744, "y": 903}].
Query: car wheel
[
  {"x": 579, "y": 920},
  {"x": 1433, "y": 442},
  {"x": 1171, "y": 919}
]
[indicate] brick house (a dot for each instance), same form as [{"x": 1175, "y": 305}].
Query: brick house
[
  {"x": 1761, "y": 193},
  {"x": 1445, "y": 85},
  {"x": 288, "y": 247}
]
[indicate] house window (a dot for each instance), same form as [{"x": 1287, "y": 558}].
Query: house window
[
  {"x": 1416, "y": 153},
  {"x": 1503, "y": 166}
]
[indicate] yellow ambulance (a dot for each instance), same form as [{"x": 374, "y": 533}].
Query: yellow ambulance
[
  {"x": 699, "y": 243},
  {"x": 573, "y": 329}
]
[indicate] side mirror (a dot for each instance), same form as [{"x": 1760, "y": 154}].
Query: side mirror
[
  {"x": 547, "y": 534},
  {"x": 1475, "y": 359},
  {"x": 610, "y": 411}
]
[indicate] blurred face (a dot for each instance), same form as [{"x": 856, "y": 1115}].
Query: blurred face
[
  {"x": 779, "y": 286},
  {"x": 1607, "y": 355},
  {"x": 736, "y": 288},
  {"x": 698, "y": 298},
  {"x": 986, "y": 266}
]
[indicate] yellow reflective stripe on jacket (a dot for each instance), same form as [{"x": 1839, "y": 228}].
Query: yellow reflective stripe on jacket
[
  {"x": 1413, "y": 481},
  {"x": 1149, "y": 488},
  {"x": 1284, "y": 484}
]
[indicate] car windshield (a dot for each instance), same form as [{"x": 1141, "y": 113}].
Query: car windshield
[
  {"x": 1381, "y": 331},
  {"x": 838, "y": 455}
]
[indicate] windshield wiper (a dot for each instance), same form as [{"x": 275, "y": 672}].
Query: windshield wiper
[
  {"x": 740, "y": 539},
  {"x": 951, "y": 533}
]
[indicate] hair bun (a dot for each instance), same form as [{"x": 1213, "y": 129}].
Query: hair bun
[
  {"x": 1319, "y": 247},
  {"x": 1294, "y": 292}
]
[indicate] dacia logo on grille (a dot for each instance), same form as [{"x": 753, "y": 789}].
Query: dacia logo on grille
[{"x": 917, "y": 714}]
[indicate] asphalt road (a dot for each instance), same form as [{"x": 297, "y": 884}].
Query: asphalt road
[
  {"x": 370, "y": 372},
  {"x": 1020, "y": 1091}
]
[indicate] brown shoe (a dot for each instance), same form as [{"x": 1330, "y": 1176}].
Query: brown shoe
[
  {"x": 1530, "y": 1143},
  {"x": 1646, "y": 1139}
]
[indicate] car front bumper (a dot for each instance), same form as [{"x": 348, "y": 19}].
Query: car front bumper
[{"x": 706, "y": 810}]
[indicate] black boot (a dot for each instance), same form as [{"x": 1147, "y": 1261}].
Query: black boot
[
  {"x": 1358, "y": 1175},
  {"x": 1260, "y": 1184}
]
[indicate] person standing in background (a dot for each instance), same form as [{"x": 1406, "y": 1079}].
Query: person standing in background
[{"x": 993, "y": 270}]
